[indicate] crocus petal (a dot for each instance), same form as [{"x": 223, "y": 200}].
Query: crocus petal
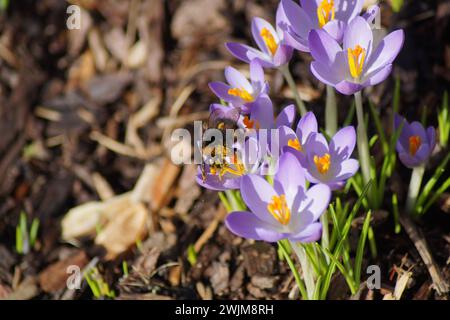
[
  {"x": 359, "y": 33},
  {"x": 286, "y": 134},
  {"x": 220, "y": 89},
  {"x": 386, "y": 51},
  {"x": 306, "y": 126},
  {"x": 417, "y": 129},
  {"x": 299, "y": 20},
  {"x": 316, "y": 142},
  {"x": 348, "y": 169},
  {"x": 423, "y": 153},
  {"x": 371, "y": 13},
  {"x": 323, "y": 47},
  {"x": 377, "y": 76},
  {"x": 283, "y": 55},
  {"x": 431, "y": 133},
  {"x": 286, "y": 117},
  {"x": 317, "y": 200},
  {"x": 257, "y": 194},
  {"x": 256, "y": 73},
  {"x": 237, "y": 79},
  {"x": 346, "y": 10},
  {"x": 324, "y": 74},
  {"x": 246, "y": 53},
  {"x": 335, "y": 28},
  {"x": 348, "y": 88},
  {"x": 213, "y": 182},
  {"x": 407, "y": 160},
  {"x": 259, "y": 24},
  {"x": 289, "y": 179},
  {"x": 311, "y": 233},
  {"x": 247, "y": 225},
  {"x": 344, "y": 141},
  {"x": 262, "y": 112},
  {"x": 310, "y": 8}
]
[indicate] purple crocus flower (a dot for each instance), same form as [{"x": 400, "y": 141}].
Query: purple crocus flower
[
  {"x": 297, "y": 139},
  {"x": 285, "y": 210},
  {"x": 355, "y": 65},
  {"x": 415, "y": 144},
  {"x": 272, "y": 53},
  {"x": 330, "y": 164},
  {"x": 333, "y": 16},
  {"x": 239, "y": 91}
]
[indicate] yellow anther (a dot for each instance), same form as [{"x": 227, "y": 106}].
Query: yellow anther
[
  {"x": 294, "y": 143},
  {"x": 269, "y": 40},
  {"x": 241, "y": 93},
  {"x": 279, "y": 209},
  {"x": 356, "y": 57},
  {"x": 325, "y": 12},
  {"x": 323, "y": 163},
  {"x": 414, "y": 144}
]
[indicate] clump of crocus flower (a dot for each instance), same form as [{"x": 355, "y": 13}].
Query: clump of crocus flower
[
  {"x": 415, "y": 143},
  {"x": 271, "y": 206},
  {"x": 286, "y": 210}
]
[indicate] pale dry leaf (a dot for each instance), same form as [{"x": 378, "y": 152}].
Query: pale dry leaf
[
  {"x": 137, "y": 55},
  {"x": 124, "y": 230}
]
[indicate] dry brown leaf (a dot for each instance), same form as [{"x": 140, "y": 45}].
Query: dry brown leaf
[{"x": 54, "y": 277}]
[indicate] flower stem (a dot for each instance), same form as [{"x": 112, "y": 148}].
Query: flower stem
[
  {"x": 414, "y": 188},
  {"x": 294, "y": 270},
  {"x": 331, "y": 117},
  {"x": 306, "y": 268},
  {"x": 363, "y": 141},
  {"x": 288, "y": 76},
  {"x": 234, "y": 202}
]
